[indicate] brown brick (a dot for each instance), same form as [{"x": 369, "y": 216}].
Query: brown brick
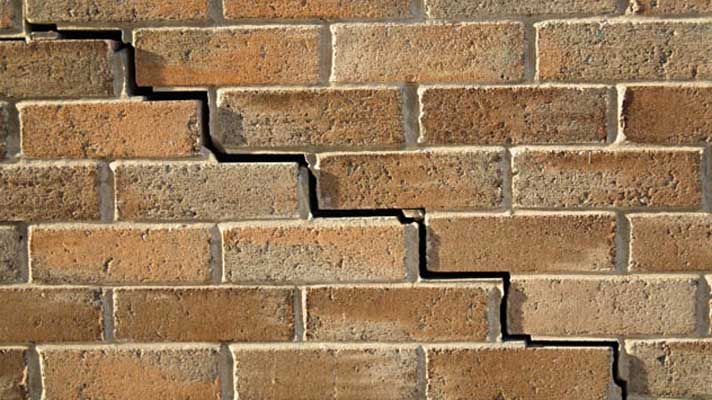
[
  {"x": 508, "y": 8},
  {"x": 51, "y": 192},
  {"x": 603, "y": 178},
  {"x": 353, "y": 372},
  {"x": 103, "y": 11},
  {"x": 111, "y": 129},
  {"x": 432, "y": 179},
  {"x": 319, "y": 250},
  {"x": 13, "y": 371},
  {"x": 344, "y": 9},
  {"x": 309, "y": 118},
  {"x": 516, "y": 372},
  {"x": 204, "y": 314},
  {"x": 10, "y": 16},
  {"x": 128, "y": 373},
  {"x": 671, "y": 368},
  {"x": 205, "y": 190},
  {"x": 227, "y": 56},
  {"x": 624, "y": 51},
  {"x": 5, "y": 128},
  {"x": 519, "y": 115},
  {"x": 523, "y": 243},
  {"x": 9, "y": 255},
  {"x": 56, "y": 68},
  {"x": 50, "y": 315},
  {"x": 671, "y": 7},
  {"x": 564, "y": 306},
  {"x": 478, "y": 52},
  {"x": 425, "y": 312},
  {"x": 668, "y": 114},
  {"x": 120, "y": 254}
]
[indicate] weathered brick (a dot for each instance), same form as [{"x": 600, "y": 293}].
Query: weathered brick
[
  {"x": 205, "y": 190},
  {"x": 103, "y": 11},
  {"x": 671, "y": 7},
  {"x": 431, "y": 179},
  {"x": 344, "y": 9},
  {"x": 603, "y": 178},
  {"x": 425, "y": 312},
  {"x": 227, "y": 56},
  {"x": 9, "y": 255},
  {"x": 5, "y": 129},
  {"x": 353, "y": 372},
  {"x": 128, "y": 373},
  {"x": 516, "y": 372},
  {"x": 50, "y": 315},
  {"x": 10, "y": 16},
  {"x": 588, "y": 306},
  {"x": 56, "y": 68},
  {"x": 668, "y": 114},
  {"x": 519, "y": 115},
  {"x": 479, "y": 52},
  {"x": 204, "y": 314},
  {"x": 110, "y": 129},
  {"x": 120, "y": 254},
  {"x": 522, "y": 243},
  {"x": 309, "y": 118},
  {"x": 670, "y": 368},
  {"x": 55, "y": 191},
  {"x": 507, "y": 8},
  {"x": 319, "y": 250},
  {"x": 624, "y": 50},
  {"x": 13, "y": 369}
]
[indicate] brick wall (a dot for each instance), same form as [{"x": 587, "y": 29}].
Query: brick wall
[{"x": 357, "y": 199}]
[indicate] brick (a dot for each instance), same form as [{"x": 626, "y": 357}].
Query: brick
[
  {"x": 604, "y": 178},
  {"x": 516, "y": 372},
  {"x": 10, "y": 16},
  {"x": 49, "y": 192},
  {"x": 127, "y": 372},
  {"x": 204, "y": 314},
  {"x": 227, "y": 56},
  {"x": 50, "y": 315},
  {"x": 105, "y": 11},
  {"x": 5, "y": 129},
  {"x": 353, "y": 372},
  {"x": 522, "y": 243},
  {"x": 431, "y": 179},
  {"x": 13, "y": 369},
  {"x": 319, "y": 250},
  {"x": 478, "y": 52},
  {"x": 120, "y": 254},
  {"x": 670, "y": 368},
  {"x": 56, "y": 68},
  {"x": 513, "y": 115},
  {"x": 508, "y": 8},
  {"x": 309, "y": 118},
  {"x": 667, "y": 114},
  {"x": 602, "y": 306},
  {"x": 289, "y": 9},
  {"x": 111, "y": 129},
  {"x": 9, "y": 255},
  {"x": 205, "y": 190},
  {"x": 624, "y": 51},
  {"x": 461, "y": 312},
  {"x": 671, "y": 7}
]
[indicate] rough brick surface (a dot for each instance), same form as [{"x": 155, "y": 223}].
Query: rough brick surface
[
  {"x": 13, "y": 385},
  {"x": 9, "y": 255},
  {"x": 10, "y": 16},
  {"x": 508, "y": 8},
  {"x": 288, "y": 9},
  {"x": 671, "y": 7},
  {"x": 5, "y": 128},
  {"x": 108, "y": 11}
]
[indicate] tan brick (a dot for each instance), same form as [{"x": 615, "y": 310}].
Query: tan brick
[
  {"x": 624, "y": 51},
  {"x": 9, "y": 255},
  {"x": 431, "y": 179},
  {"x": 50, "y": 315},
  {"x": 57, "y": 68},
  {"x": 227, "y": 56},
  {"x": 602, "y": 178},
  {"x": 668, "y": 114},
  {"x": 588, "y": 306},
  {"x": 343, "y": 9},
  {"x": 519, "y": 115},
  {"x": 507, "y": 8},
  {"x": 205, "y": 190},
  {"x": 353, "y": 372},
  {"x": 128, "y": 373},
  {"x": 204, "y": 314},
  {"x": 52, "y": 192},
  {"x": 111, "y": 129},
  {"x": 120, "y": 254},
  {"x": 10, "y": 16},
  {"x": 478, "y": 52},
  {"x": 13, "y": 370},
  {"x": 425, "y": 312},
  {"x": 671, "y": 7},
  {"x": 523, "y": 243},
  {"x": 516, "y": 372},
  {"x": 319, "y": 250},
  {"x": 103, "y": 11},
  {"x": 309, "y": 118}
]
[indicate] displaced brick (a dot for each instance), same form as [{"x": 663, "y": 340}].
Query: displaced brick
[
  {"x": 111, "y": 129},
  {"x": 9, "y": 255},
  {"x": 523, "y": 243},
  {"x": 13, "y": 370},
  {"x": 671, "y": 7},
  {"x": 288, "y": 9},
  {"x": 588, "y": 306},
  {"x": 508, "y": 8},
  {"x": 602, "y": 178},
  {"x": 204, "y": 314},
  {"x": 10, "y": 16},
  {"x": 518, "y": 115},
  {"x": 478, "y": 52},
  {"x": 104, "y": 11},
  {"x": 227, "y": 56}
]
